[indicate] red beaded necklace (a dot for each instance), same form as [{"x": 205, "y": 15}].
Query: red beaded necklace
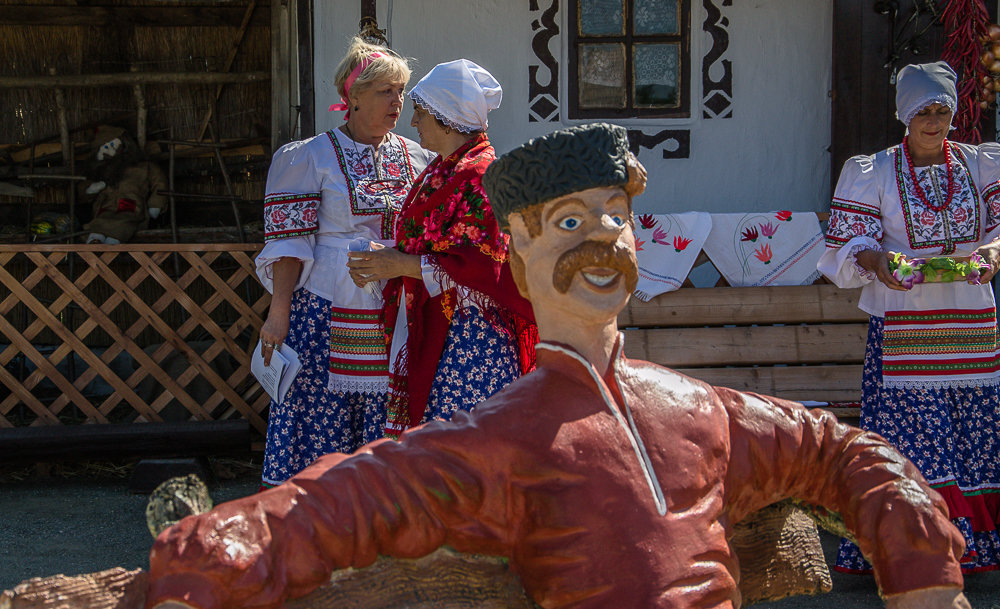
[{"x": 916, "y": 184}]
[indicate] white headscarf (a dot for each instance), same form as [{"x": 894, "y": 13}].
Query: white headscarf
[
  {"x": 920, "y": 85},
  {"x": 458, "y": 93}
]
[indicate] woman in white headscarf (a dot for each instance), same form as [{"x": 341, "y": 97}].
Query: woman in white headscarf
[
  {"x": 458, "y": 328},
  {"x": 932, "y": 365}
]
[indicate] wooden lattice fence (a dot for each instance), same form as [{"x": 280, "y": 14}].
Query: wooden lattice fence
[{"x": 129, "y": 333}]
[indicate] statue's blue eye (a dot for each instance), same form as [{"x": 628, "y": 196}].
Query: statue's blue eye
[
  {"x": 569, "y": 223},
  {"x": 620, "y": 221}
]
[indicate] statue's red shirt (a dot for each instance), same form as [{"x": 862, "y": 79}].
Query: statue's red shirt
[{"x": 604, "y": 490}]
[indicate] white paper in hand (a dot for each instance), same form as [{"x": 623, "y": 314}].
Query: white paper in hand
[{"x": 277, "y": 378}]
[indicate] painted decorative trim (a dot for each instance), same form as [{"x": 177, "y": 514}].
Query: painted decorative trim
[
  {"x": 680, "y": 137},
  {"x": 717, "y": 95},
  {"x": 543, "y": 99}
]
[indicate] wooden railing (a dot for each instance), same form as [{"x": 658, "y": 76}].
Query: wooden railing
[{"x": 165, "y": 330}]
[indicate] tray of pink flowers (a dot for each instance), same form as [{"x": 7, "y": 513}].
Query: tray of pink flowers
[{"x": 938, "y": 269}]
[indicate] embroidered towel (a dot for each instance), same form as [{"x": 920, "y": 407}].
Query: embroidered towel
[
  {"x": 767, "y": 248},
  {"x": 667, "y": 246}
]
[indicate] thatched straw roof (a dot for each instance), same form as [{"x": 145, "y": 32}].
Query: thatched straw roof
[{"x": 112, "y": 39}]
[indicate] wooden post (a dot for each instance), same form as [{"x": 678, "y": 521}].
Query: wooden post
[
  {"x": 307, "y": 102},
  {"x": 140, "y": 115},
  {"x": 368, "y": 9},
  {"x": 130, "y": 78},
  {"x": 229, "y": 184},
  {"x": 281, "y": 70},
  {"x": 67, "y": 154},
  {"x": 228, "y": 66}
]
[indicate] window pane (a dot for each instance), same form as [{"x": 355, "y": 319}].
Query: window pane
[
  {"x": 656, "y": 17},
  {"x": 657, "y": 71},
  {"x": 602, "y": 17},
  {"x": 602, "y": 76}
]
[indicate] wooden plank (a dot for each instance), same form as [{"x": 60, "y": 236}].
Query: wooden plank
[
  {"x": 46, "y": 366},
  {"x": 83, "y": 351},
  {"x": 210, "y": 354},
  {"x": 814, "y": 383},
  {"x": 228, "y": 65},
  {"x": 18, "y": 390},
  {"x": 19, "y": 248},
  {"x": 170, "y": 336},
  {"x": 283, "y": 55},
  {"x": 125, "y": 440},
  {"x": 307, "y": 92},
  {"x": 221, "y": 287},
  {"x": 123, "y": 16},
  {"x": 185, "y": 301},
  {"x": 164, "y": 349},
  {"x": 88, "y": 325},
  {"x": 132, "y": 78},
  {"x": 145, "y": 362},
  {"x": 769, "y": 305},
  {"x": 749, "y": 345}
]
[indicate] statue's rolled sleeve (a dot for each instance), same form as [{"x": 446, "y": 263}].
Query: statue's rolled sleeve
[{"x": 783, "y": 450}]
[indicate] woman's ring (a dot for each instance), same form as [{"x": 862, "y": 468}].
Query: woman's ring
[{"x": 267, "y": 344}]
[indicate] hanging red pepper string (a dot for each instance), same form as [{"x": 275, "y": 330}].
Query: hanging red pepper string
[{"x": 965, "y": 22}]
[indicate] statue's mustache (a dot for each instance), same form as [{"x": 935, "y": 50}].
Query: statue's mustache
[{"x": 595, "y": 254}]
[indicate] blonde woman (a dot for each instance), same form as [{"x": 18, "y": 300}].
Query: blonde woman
[{"x": 326, "y": 195}]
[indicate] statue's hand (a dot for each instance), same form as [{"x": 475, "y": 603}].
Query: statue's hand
[{"x": 929, "y": 598}]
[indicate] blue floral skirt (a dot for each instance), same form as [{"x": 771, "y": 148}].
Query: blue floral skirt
[
  {"x": 952, "y": 435},
  {"x": 479, "y": 359},
  {"x": 314, "y": 421}
]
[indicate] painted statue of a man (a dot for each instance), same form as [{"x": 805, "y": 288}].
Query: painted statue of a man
[{"x": 606, "y": 482}]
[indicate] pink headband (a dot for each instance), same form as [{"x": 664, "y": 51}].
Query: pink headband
[{"x": 358, "y": 69}]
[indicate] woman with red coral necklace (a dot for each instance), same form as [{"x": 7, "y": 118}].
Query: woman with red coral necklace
[
  {"x": 932, "y": 365},
  {"x": 457, "y": 327}
]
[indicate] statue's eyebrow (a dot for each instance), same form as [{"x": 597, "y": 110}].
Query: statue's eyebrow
[{"x": 557, "y": 206}]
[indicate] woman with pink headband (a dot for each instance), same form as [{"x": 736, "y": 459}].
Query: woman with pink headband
[{"x": 327, "y": 195}]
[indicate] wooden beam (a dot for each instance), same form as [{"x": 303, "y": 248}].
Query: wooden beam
[
  {"x": 750, "y": 345},
  {"x": 814, "y": 383},
  {"x": 368, "y": 9},
  {"x": 132, "y": 247},
  {"x": 149, "y": 16},
  {"x": 307, "y": 104},
  {"x": 724, "y": 306},
  {"x": 284, "y": 53},
  {"x": 131, "y": 78},
  {"x": 124, "y": 440},
  {"x": 234, "y": 49}
]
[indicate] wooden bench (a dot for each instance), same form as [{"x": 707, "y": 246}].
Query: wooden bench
[{"x": 803, "y": 343}]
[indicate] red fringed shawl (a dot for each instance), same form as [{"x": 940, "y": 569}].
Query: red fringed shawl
[{"x": 447, "y": 216}]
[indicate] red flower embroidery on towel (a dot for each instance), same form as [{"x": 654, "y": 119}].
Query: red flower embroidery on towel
[
  {"x": 763, "y": 254},
  {"x": 750, "y": 234},
  {"x": 681, "y": 243}
]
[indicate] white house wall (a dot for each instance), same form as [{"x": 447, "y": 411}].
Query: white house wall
[{"x": 766, "y": 149}]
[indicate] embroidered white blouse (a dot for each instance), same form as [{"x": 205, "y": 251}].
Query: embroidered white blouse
[
  {"x": 876, "y": 207},
  {"x": 935, "y": 334},
  {"x": 327, "y": 195}
]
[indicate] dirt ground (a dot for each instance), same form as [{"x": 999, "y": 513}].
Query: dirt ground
[{"x": 87, "y": 520}]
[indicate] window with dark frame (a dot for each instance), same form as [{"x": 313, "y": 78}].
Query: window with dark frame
[{"x": 629, "y": 58}]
